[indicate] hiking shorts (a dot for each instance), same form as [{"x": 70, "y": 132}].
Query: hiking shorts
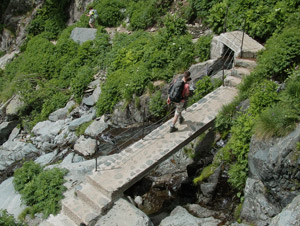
[
  {"x": 92, "y": 20},
  {"x": 179, "y": 108}
]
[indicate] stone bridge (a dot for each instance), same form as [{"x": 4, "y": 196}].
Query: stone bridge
[{"x": 106, "y": 186}]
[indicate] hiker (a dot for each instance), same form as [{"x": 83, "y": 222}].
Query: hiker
[
  {"x": 93, "y": 16},
  {"x": 184, "y": 92}
]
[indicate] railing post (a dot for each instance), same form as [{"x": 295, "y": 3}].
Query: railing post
[
  {"x": 143, "y": 123},
  {"x": 243, "y": 37},
  {"x": 96, "y": 164}
]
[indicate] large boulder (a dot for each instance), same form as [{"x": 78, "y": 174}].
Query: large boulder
[
  {"x": 290, "y": 215},
  {"x": 61, "y": 113},
  {"x": 124, "y": 213},
  {"x": 81, "y": 35},
  {"x": 9, "y": 199},
  {"x": 180, "y": 216},
  {"x": 97, "y": 127},
  {"x": 13, "y": 107},
  {"x": 273, "y": 176},
  {"x": 85, "y": 146}
]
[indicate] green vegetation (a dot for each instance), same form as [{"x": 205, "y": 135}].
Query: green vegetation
[
  {"x": 157, "y": 105},
  {"x": 7, "y": 219},
  {"x": 40, "y": 189}
]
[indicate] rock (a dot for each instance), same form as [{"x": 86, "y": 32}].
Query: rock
[
  {"x": 47, "y": 130},
  {"x": 7, "y": 58},
  {"x": 180, "y": 216},
  {"x": 208, "y": 189},
  {"x": 83, "y": 119},
  {"x": 257, "y": 206},
  {"x": 97, "y": 127},
  {"x": 61, "y": 113},
  {"x": 81, "y": 35},
  {"x": 14, "y": 133},
  {"x": 124, "y": 213},
  {"x": 46, "y": 158},
  {"x": 10, "y": 199},
  {"x": 5, "y": 130},
  {"x": 85, "y": 146},
  {"x": 290, "y": 215},
  {"x": 200, "y": 211},
  {"x": 92, "y": 99},
  {"x": 13, "y": 107}
]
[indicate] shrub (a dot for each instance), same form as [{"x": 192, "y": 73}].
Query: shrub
[
  {"x": 45, "y": 191},
  {"x": 142, "y": 14},
  {"x": 276, "y": 121},
  {"x": 157, "y": 106},
  {"x": 25, "y": 174},
  {"x": 110, "y": 12},
  {"x": 81, "y": 80},
  {"x": 41, "y": 190},
  {"x": 202, "y": 48},
  {"x": 7, "y": 219},
  {"x": 203, "y": 87}
]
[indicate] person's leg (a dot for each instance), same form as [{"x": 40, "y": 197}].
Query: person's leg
[{"x": 179, "y": 107}]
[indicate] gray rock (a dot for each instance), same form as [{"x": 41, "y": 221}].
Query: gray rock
[
  {"x": 5, "y": 130},
  {"x": 97, "y": 127},
  {"x": 46, "y": 158},
  {"x": 61, "y": 113},
  {"x": 200, "y": 211},
  {"x": 4, "y": 60},
  {"x": 47, "y": 130},
  {"x": 85, "y": 146},
  {"x": 13, "y": 107},
  {"x": 257, "y": 207},
  {"x": 209, "y": 188},
  {"x": 92, "y": 99},
  {"x": 10, "y": 200},
  {"x": 14, "y": 133},
  {"x": 180, "y": 216},
  {"x": 81, "y": 35},
  {"x": 83, "y": 119},
  {"x": 290, "y": 215},
  {"x": 125, "y": 214}
]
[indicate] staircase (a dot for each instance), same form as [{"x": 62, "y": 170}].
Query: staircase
[{"x": 242, "y": 68}]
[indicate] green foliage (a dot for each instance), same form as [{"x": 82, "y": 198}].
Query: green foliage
[
  {"x": 81, "y": 80},
  {"x": 174, "y": 25},
  {"x": 81, "y": 129},
  {"x": 42, "y": 190},
  {"x": 50, "y": 18},
  {"x": 7, "y": 219},
  {"x": 142, "y": 14},
  {"x": 202, "y": 48},
  {"x": 282, "y": 53},
  {"x": 201, "y": 8},
  {"x": 110, "y": 12},
  {"x": 262, "y": 18},
  {"x": 276, "y": 121},
  {"x": 205, "y": 173},
  {"x": 203, "y": 87},
  {"x": 25, "y": 174},
  {"x": 157, "y": 105}
]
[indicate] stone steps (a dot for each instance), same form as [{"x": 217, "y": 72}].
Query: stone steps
[
  {"x": 245, "y": 63},
  {"x": 94, "y": 197},
  {"x": 232, "y": 81},
  {"x": 79, "y": 211},
  {"x": 59, "y": 219},
  {"x": 240, "y": 72}
]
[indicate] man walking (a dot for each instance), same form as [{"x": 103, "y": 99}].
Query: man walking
[{"x": 184, "y": 89}]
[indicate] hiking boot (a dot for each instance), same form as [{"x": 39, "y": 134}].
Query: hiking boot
[
  {"x": 173, "y": 129},
  {"x": 181, "y": 120}
]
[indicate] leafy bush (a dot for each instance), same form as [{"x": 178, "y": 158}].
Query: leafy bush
[
  {"x": 110, "y": 12},
  {"x": 42, "y": 190},
  {"x": 25, "y": 174},
  {"x": 83, "y": 77},
  {"x": 202, "y": 48},
  {"x": 142, "y": 14},
  {"x": 203, "y": 87},
  {"x": 50, "y": 18},
  {"x": 7, "y": 219},
  {"x": 157, "y": 106}
]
